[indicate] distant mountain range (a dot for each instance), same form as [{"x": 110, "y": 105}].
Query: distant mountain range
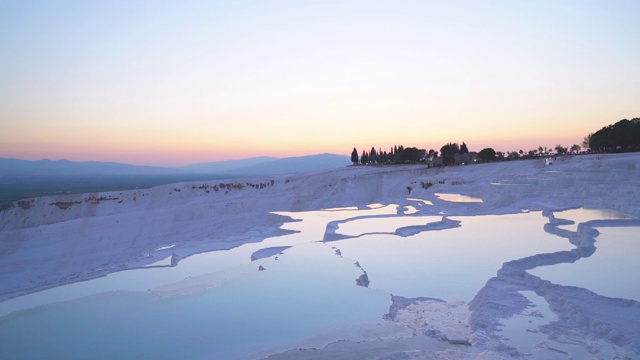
[
  {"x": 297, "y": 164},
  {"x": 250, "y": 166},
  {"x": 226, "y": 166},
  {"x": 16, "y": 167}
]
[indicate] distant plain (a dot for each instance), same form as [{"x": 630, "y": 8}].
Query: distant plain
[
  {"x": 16, "y": 188},
  {"x": 22, "y": 179}
]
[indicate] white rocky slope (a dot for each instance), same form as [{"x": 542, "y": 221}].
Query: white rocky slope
[
  {"x": 52, "y": 240},
  {"x": 49, "y": 241}
]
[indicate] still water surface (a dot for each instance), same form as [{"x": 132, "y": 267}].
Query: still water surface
[{"x": 221, "y": 305}]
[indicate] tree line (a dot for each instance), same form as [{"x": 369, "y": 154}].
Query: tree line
[
  {"x": 396, "y": 155},
  {"x": 619, "y": 137},
  {"x": 448, "y": 152},
  {"x": 623, "y": 136},
  {"x": 399, "y": 154}
]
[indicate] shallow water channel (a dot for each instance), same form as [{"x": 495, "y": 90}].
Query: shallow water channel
[{"x": 326, "y": 282}]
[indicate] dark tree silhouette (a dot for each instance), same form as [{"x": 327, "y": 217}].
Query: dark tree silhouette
[
  {"x": 354, "y": 156},
  {"x": 397, "y": 157},
  {"x": 463, "y": 148},
  {"x": 373, "y": 156},
  {"x": 411, "y": 154},
  {"x": 561, "y": 150},
  {"x": 487, "y": 154},
  {"x": 575, "y": 148},
  {"x": 586, "y": 140},
  {"x": 365, "y": 158},
  {"x": 621, "y": 136},
  {"x": 447, "y": 152}
]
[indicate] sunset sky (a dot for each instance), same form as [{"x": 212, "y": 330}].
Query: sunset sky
[{"x": 178, "y": 82}]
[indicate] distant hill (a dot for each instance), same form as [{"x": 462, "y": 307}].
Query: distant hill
[
  {"x": 298, "y": 164},
  {"x": 19, "y": 168},
  {"x": 15, "y": 168},
  {"x": 226, "y": 166},
  {"x": 20, "y": 179}
]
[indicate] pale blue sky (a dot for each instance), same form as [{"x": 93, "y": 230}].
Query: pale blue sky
[{"x": 174, "y": 82}]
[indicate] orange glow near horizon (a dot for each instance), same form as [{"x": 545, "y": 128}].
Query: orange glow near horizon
[
  {"x": 276, "y": 134},
  {"x": 178, "y": 154}
]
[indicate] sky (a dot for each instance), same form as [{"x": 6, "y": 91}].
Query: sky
[{"x": 178, "y": 82}]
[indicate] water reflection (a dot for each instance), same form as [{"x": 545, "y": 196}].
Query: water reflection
[
  {"x": 611, "y": 270},
  {"x": 445, "y": 264},
  {"x": 308, "y": 290},
  {"x": 587, "y": 315},
  {"x": 378, "y": 224},
  {"x": 578, "y": 216},
  {"x": 219, "y": 305},
  {"x": 458, "y": 198}
]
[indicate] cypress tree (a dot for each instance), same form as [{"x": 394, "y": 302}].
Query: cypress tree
[
  {"x": 354, "y": 156},
  {"x": 372, "y": 155}
]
